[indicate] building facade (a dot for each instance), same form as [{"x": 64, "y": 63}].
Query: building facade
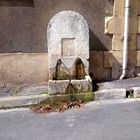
[{"x": 23, "y": 38}]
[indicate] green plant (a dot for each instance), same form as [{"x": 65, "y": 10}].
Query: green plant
[
  {"x": 89, "y": 97},
  {"x": 130, "y": 94},
  {"x": 44, "y": 92}
]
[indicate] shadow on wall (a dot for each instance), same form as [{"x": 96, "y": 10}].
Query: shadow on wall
[
  {"x": 106, "y": 66},
  {"x": 95, "y": 43},
  {"x": 111, "y": 1},
  {"x": 14, "y": 3}
]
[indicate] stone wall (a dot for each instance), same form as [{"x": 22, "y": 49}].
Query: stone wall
[
  {"x": 23, "y": 23},
  {"x": 23, "y": 68},
  {"x": 23, "y": 39},
  {"x": 114, "y": 25}
]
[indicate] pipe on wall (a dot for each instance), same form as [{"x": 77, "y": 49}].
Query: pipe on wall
[{"x": 126, "y": 36}]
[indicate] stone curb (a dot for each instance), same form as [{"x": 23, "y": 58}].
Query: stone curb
[
  {"x": 110, "y": 94},
  {"x": 136, "y": 92},
  {"x": 105, "y": 94},
  {"x": 20, "y": 101}
]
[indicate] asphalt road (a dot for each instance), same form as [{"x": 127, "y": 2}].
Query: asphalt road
[{"x": 110, "y": 120}]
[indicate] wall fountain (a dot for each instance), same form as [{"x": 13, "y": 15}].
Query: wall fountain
[{"x": 68, "y": 53}]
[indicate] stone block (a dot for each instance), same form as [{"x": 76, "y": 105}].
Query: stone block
[
  {"x": 132, "y": 42},
  {"x": 97, "y": 66},
  {"x": 130, "y": 71},
  {"x": 118, "y": 8},
  {"x": 23, "y": 68},
  {"x": 136, "y": 92},
  {"x": 138, "y": 42},
  {"x": 139, "y": 24},
  {"x": 114, "y": 25},
  {"x": 118, "y": 42},
  {"x": 138, "y": 58},
  {"x": 116, "y": 57},
  {"x": 62, "y": 87},
  {"x": 133, "y": 24},
  {"x": 110, "y": 94},
  {"x": 116, "y": 71},
  {"x": 113, "y": 57},
  {"x": 68, "y": 47},
  {"x": 132, "y": 58},
  {"x": 134, "y": 4},
  {"x": 69, "y": 97}
]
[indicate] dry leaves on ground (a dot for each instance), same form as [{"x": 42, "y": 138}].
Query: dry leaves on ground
[{"x": 55, "y": 107}]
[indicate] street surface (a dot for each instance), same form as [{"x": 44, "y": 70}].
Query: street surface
[{"x": 106, "y": 120}]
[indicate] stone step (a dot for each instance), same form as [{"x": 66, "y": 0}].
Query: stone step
[{"x": 110, "y": 94}]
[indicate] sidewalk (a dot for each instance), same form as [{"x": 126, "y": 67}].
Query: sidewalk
[
  {"x": 21, "y": 101},
  {"x": 108, "y": 90}
]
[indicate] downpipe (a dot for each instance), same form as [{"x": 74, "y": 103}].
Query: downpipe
[{"x": 126, "y": 36}]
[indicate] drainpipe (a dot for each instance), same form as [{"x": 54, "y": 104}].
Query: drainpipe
[{"x": 126, "y": 31}]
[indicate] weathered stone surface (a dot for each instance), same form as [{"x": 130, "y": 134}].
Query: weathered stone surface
[
  {"x": 118, "y": 8},
  {"x": 138, "y": 58},
  {"x": 23, "y": 68},
  {"x": 113, "y": 57},
  {"x": 96, "y": 66},
  {"x": 138, "y": 42},
  {"x": 130, "y": 71},
  {"x": 110, "y": 94},
  {"x": 139, "y": 24},
  {"x": 20, "y": 101},
  {"x": 134, "y": 4},
  {"x": 116, "y": 71},
  {"x": 61, "y": 86},
  {"x": 136, "y": 92},
  {"x": 118, "y": 42},
  {"x": 68, "y": 39},
  {"x": 113, "y": 25}
]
